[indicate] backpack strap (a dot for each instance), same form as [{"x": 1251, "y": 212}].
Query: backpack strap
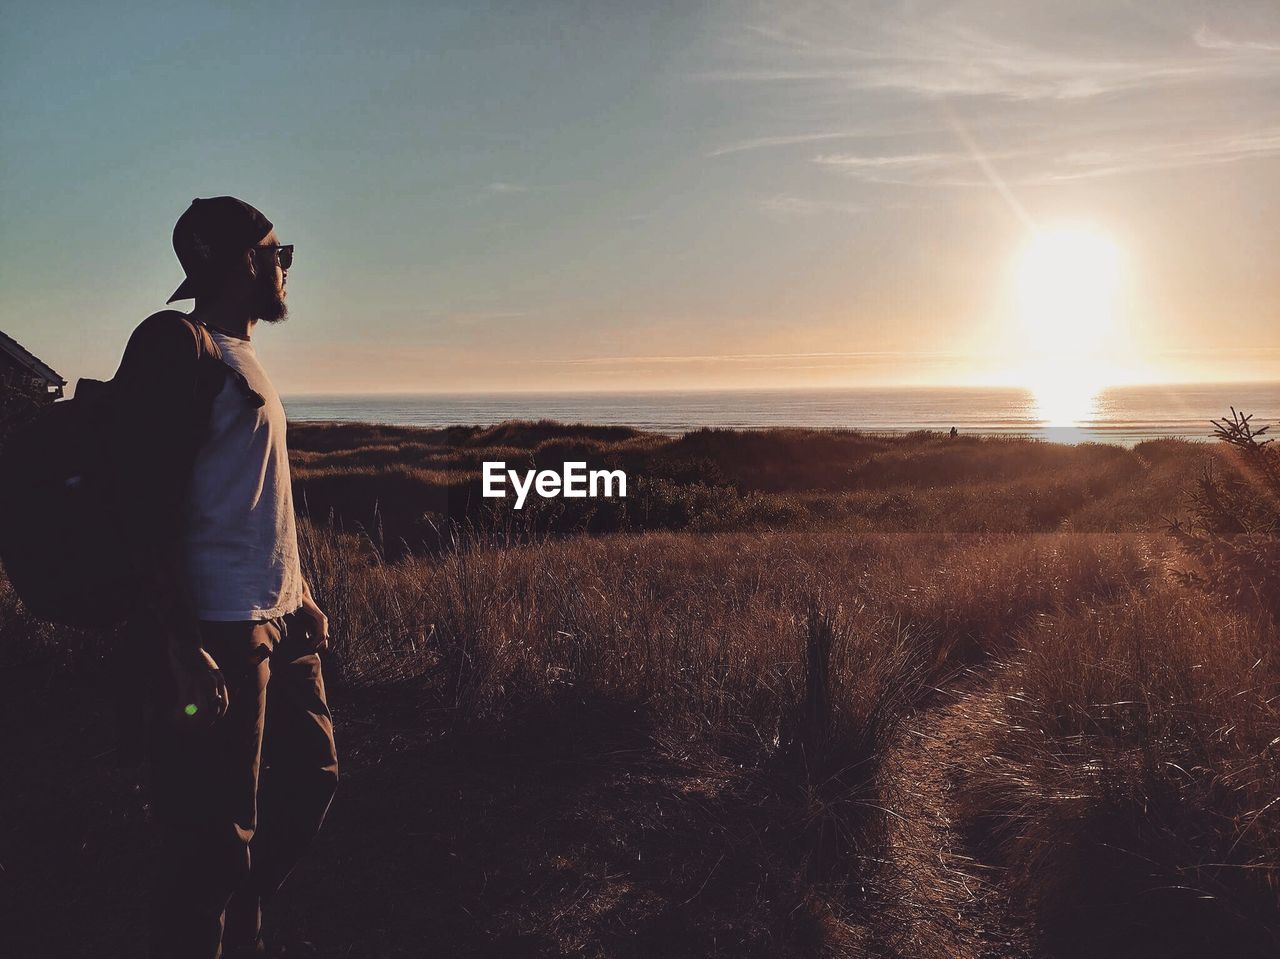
[
  {"x": 209, "y": 348},
  {"x": 212, "y": 370}
]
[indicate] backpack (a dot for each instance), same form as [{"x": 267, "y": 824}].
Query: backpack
[{"x": 59, "y": 533}]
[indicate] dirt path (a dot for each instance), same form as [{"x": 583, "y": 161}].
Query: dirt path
[
  {"x": 561, "y": 838},
  {"x": 945, "y": 903}
]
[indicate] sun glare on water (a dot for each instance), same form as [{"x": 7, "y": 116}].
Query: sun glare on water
[{"x": 1068, "y": 288}]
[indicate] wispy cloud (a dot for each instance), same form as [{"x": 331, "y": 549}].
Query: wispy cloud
[
  {"x": 680, "y": 359},
  {"x": 928, "y": 50},
  {"x": 787, "y": 205},
  {"x": 885, "y": 167},
  {"x": 1212, "y": 40},
  {"x": 1044, "y": 102},
  {"x": 1088, "y": 164},
  {"x": 800, "y": 139},
  {"x": 1049, "y": 163}
]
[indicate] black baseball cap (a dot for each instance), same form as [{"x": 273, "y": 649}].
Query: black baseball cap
[{"x": 210, "y": 236}]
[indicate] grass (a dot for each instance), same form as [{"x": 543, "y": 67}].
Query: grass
[
  {"x": 1129, "y": 778},
  {"x": 704, "y": 685},
  {"x": 413, "y": 486}
]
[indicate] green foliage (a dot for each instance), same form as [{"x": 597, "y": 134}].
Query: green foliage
[{"x": 1233, "y": 532}]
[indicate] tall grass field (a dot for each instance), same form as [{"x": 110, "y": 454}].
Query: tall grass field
[{"x": 799, "y": 693}]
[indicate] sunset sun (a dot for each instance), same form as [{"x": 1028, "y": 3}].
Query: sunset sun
[{"x": 1067, "y": 283}]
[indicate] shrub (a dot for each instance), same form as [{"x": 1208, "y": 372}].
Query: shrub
[{"x": 1233, "y": 532}]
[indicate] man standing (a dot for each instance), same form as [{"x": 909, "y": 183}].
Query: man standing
[{"x": 242, "y": 753}]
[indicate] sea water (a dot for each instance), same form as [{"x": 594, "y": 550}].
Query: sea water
[{"x": 1124, "y": 415}]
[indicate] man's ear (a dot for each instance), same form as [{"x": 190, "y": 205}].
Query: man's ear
[{"x": 250, "y": 262}]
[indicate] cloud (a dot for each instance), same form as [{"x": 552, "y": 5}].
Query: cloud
[
  {"x": 1209, "y": 39},
  {"x": 665, "y": 360},
  {"x": 1042, "y": 101},
  {"x": 794, "y": 139},
  {"x": 1046, "y": 164},
  {"x": 983, "y": 50},
  {"x": 918, "y": 162},
  {"x": 1162, "y": 156},
  {"x": 501, "y": 187},
  {"x": 787, "y": 205}
]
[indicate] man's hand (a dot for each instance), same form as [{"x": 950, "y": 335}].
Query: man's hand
[
  {"x": 202, "y": 692},
  {"x": 317, "y": 623}
]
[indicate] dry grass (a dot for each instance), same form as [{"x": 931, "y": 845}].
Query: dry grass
[
  {"x": 412, "y": 486},
  {"x": 1129, "y": 781},
  {"x": 707, "y": 634},
  {"x": 772, "y": 615},
  {"x": 800, "y": 656}
]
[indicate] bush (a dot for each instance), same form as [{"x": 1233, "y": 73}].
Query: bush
[{"x": 1233, "y": 533}]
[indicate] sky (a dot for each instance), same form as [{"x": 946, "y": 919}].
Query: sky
[{"x": 540, "y": 195}]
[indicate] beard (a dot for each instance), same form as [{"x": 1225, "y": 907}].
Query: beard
[{"x": 268, "y": 302}]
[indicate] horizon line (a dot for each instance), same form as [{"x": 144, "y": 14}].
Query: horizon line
[{"x": 769, "y": 389}]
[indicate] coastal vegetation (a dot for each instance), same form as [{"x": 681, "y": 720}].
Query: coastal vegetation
[{"x": 799, "y": 693}]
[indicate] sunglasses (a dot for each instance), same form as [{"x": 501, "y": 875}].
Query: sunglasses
[{"x": 284, "y": 254}]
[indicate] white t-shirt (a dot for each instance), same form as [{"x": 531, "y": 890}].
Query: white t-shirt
[{"x": 241, "y": 544}]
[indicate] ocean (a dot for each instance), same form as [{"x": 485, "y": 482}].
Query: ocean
[{"x": 1124, "y": 415}]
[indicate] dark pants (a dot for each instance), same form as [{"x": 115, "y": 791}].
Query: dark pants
[{"x": 238, "y": 802}]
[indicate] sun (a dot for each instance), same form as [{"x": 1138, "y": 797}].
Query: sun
[{"x": 1067, "y": 282}]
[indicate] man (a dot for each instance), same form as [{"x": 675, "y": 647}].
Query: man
[{"x": 242, "y": 753}]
